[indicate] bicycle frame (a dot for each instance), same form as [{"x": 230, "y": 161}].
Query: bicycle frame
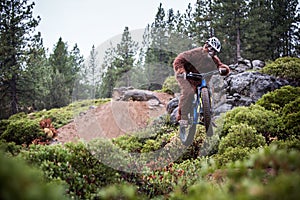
[{"x": 197, "y": 105}]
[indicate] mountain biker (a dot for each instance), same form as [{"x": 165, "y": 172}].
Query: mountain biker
[{"x": 197, "y": 60}]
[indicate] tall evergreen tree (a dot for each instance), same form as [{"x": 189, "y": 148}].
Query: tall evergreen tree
[
  {"x": 77, "y": 61},
  {"x": 157, "y": 60},
  {"x": 118, "y": 64},
  {"x": 201, "y": 25},
  {"x": 228, "y": 26},
  {"x": 109, "y": 76},
  {"x": 36, "y": 82},
  {"x": 124, "y": 60},
  {"x": 285, "y": 17},
  {"x": 17, "y": 27},
  {"x": 258, "y": 32},
  {"x": 65, "y": 67},
  {"x": 93, "y": 71}
]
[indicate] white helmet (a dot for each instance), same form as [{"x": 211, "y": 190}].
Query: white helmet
[{"x": 215, "y": 43}]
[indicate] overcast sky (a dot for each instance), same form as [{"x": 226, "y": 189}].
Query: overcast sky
[{"x": 92, "y": 22}]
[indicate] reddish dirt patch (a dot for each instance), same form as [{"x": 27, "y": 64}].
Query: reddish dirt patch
[{"x": 113, "y": 119}]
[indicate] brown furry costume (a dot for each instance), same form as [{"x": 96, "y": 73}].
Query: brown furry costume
[{"x": 198, "y": 61}]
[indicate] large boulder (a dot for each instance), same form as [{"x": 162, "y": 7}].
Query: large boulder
[
  {"x": 131, "y": 94},
  {"x": 138, "y": 95},
  {"x": 246, "y": 88},
  {"x": 244, "y": 65}
]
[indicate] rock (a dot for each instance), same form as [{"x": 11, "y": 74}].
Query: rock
[
  {"x": 153, "y": 103},
  {"x": 138, "y": 95},
  {"x": 131, "y": 94},
  {"x": 119, "y": 92},
  {"x": 222, "y": 109},
  {"x": 247, "y": 87},
  {"x": 172, "y": 104},
  {"x": 258, "y": 64},
  {"x": 173, "y": 116}
]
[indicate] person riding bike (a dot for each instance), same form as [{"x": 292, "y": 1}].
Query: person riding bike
[{"x": 197, "y": 60}]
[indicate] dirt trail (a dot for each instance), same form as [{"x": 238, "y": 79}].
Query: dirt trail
[{"x": 113, "y": 119}]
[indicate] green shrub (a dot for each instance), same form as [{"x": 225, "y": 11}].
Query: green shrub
[
  {"x": 286, "y": 102},
  {"x": 277, "y": 99},
  {"x": 73, "y": 163},
  {"x": 292, "y": 143},
  {"x": 22, "y": 131},
  {"x": 3, "y": 125},
  {"x": 119, "y": 191},
  {"x": 170, "y": 85},
  {"x": 232, "y": 154},
  {"x": 285, "y": 67},
  {"x": 10, "y": 147},
  {"x": 266, "y": 122},
  {"x": 269, "y": 173},
  {"x": 242, "y": 136},
  {"x": 291, "y": 118},
  {"x": 19, "y": 181},
  {"x": 130, "y": 143},
  {"x": 174, "y": 176},
  {"x": 241, "y": 140}
]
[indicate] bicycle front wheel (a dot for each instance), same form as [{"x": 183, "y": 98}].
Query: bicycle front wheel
[
  {"x": 187, "y": 133},
  {"x": 206, "y": 106}
]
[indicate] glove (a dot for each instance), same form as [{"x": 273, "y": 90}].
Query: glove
[
  {"x": 182, "y": 75},
  {"x": 224, "y": 70}
]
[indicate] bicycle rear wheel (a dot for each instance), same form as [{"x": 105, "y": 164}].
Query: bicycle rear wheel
[
  {"x": 206, "y": 106},
  {"x": 187, "y": 133}
]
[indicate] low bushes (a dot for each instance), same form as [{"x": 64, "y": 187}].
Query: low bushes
[
  {"x": 266, "y": 123},
  {"x": 74, "y": 164},
  {"x": 22, "y": 131},
  {"x": 286, "y": 102},
  {"x": 19, "y": 181},
  {"x": 170, "y": 85},
  {"x": 284, "y": 67}
]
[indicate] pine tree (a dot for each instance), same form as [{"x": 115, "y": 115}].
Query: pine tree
[
  {"x": 17, "y": 26},
  {"x": 257, "y": 32},
  {"x": 229, "y": 23},
  {"x": 109, "y": 76},
  {"x": 157, "y": 59},
  {"x": 65, "y": 66},
  {"x": 77, "y": 61},
  {"x": 201, "y": 25},
  {"x": 93, "y": 71},
  {"x": 36, "y": 82},
  {"x": 126, "y": 51},
  {"x": 285, "y": 17}
]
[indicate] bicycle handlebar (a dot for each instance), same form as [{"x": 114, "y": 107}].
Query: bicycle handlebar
[{"x": 197, "y": 76}]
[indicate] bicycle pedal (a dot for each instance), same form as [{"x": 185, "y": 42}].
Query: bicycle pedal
[
  {"x": 214, "y": 124},
  {"x": 184, "y": 123}
]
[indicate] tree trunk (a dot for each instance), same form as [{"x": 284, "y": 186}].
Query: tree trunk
[
  {"x": 238, "y": 44},
  {"x": 13, "y": 94}
]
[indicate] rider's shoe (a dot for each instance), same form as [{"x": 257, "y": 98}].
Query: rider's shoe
[{"x": 184, "y": 123}]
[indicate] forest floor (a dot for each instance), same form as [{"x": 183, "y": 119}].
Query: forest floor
[{"x": 113, "y": 119}]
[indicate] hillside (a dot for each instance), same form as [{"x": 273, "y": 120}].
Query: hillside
[{"x": 113, "y": 119}]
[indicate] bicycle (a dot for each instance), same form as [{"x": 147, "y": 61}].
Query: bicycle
[{"x": 201, "y": 109}]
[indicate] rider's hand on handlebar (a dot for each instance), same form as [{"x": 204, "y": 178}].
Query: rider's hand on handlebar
[
  {"x": 182, "y": 75},
  {"x": 224, "y": 70}
]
